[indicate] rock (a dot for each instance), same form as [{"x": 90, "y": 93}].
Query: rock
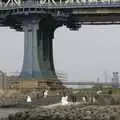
[{"x": 74, "y": 112}]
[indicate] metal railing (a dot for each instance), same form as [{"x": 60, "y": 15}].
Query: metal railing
[{"x": 51, "y": 5}]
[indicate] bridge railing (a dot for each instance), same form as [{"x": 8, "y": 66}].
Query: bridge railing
[{"x": 66, "y": 4}]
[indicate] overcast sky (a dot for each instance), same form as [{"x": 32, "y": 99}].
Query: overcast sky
[{"x": 91, "y": 52}]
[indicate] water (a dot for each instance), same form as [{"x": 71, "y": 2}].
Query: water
[{"x": 4, "y": 112}]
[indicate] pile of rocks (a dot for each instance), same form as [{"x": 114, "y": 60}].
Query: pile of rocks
[{"x": 74, "y": 112}]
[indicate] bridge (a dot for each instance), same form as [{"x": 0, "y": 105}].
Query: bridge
[
  {"x": 89, "y": 83},
  {"x": 39, "y": 20},
  {"x": 71, "y": 14}
]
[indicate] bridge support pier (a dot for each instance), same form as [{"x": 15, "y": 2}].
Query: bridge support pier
[
  {"x": 45, "y": 54},
  {"x": 38, "y": 51}
]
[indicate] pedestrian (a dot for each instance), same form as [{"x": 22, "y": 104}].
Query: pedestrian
[
  {"x": 45, "y": 93},
  {"x": 74, "y": 99},
  {"x": 29, "y": 100}
]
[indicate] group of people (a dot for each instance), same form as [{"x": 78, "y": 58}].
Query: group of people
[
  {"x": 29, "y": 99},
  {"x": 72, "y": 98}
]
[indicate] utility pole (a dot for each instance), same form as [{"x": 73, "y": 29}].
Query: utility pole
[
  {"x": 98, "y": 80},
  {"x": 105, "y": 77},
  {"x": 115, "y": 80}
]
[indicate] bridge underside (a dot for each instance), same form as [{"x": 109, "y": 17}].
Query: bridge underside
[{"x": 39, "y": 25}]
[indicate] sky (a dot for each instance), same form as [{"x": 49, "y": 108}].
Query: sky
[{"x": 82, "y": 55}]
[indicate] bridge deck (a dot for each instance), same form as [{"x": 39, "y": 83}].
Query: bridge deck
[
  {"x": 63, "y": 5},
  {"x": 95, "y": 13}
]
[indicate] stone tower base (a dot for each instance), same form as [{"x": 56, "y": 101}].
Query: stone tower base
[{"x": 36, "y": 84}]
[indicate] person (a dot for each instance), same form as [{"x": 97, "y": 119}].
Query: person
[
  {"x": 37, "y": 96},
  {"x": 93, "y": 100},
  {"x": 84, "y": 99},
  {"x": 45, "y": 93},
  {"x": 73, "y": 98},
  {"x": 98, "y": 92},
  {"x": 64, "y": 100},
  {"x": 29, "y": 100}
]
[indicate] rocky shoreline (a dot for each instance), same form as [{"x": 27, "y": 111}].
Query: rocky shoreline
[
  {"x": 72, "y": 112},
  {"x": 105, "y": 107}
]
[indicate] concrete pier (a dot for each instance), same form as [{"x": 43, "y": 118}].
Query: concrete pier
[
  {"x": 30, "y": 63},
  {"x": 45, "y": 53},
  {"x": 38, "y": 51}
]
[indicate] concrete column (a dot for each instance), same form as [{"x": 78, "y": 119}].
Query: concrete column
[
  {"x": 30, "y": 63},
  {"x": 45, "y": 53},
  {"x": 38, "y": 51}
]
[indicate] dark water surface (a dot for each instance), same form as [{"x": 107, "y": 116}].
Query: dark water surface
[{"x": 4, "y": 112}]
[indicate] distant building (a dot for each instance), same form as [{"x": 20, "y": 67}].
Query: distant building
[
  {"x": 3, "y": 80},
  {"x": 115, "y": 80}
]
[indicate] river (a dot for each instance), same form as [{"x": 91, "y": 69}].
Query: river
[{"x": 4, "y": 112}]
